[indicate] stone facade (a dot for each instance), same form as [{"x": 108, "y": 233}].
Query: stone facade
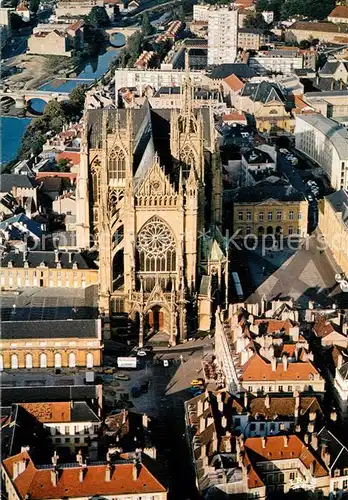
[{"x": 148, "y": 173}]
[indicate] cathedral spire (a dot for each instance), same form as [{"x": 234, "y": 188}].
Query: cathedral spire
[{"x": 187, "y": 92}]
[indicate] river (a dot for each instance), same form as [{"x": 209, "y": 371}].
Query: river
[{"x": 12, "y": 129}]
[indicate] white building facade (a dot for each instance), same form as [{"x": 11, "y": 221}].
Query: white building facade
[
  {"x": 222, "y": 34},
  {"x": 326, "y": 142}
]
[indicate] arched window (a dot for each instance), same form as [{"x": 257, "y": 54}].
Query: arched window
[
  {"x": 89, "y": 360},
  {"x": 156, "y": 246},
  {"x": 117, "y": 164},
  {"x": 14, "y": 361},
  {"x": 28, "y": 361},
  {"x": 43, "y": 360},
  {"x": 1, "y": 362},
  {"x": 57, "y": 360},
  {"x": 72, "y": 360},
  {"x": 187, "y": 161}
]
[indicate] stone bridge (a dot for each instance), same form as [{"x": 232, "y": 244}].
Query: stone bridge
[
  {"x": 127, "y": 32},
  {"x": 22, "y": 97}
]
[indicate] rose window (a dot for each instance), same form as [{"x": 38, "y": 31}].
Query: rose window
[{"x": 156, "y": 247}]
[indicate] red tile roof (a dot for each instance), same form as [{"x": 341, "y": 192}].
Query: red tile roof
[
  {"x": 274, "y": 325},
  {"x": 274, "y": 449},
  {"x": 323, "y": 327},
  {"x": 234, "y": 82},
  {"x": 257, "y": 368},
  {"x": 49, "y": 412},
  {"x": 236, "y": 116},
  {"x": 73, "y": 157},
  {"x": 37, "y": 484},
  {"x": 339, "y": 11}
]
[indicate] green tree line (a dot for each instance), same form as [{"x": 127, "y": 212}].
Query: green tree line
[{"x": 55, "y": 115}]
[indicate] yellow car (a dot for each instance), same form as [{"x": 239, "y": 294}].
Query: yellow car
[
  {"x": 198, "y": 381},
  {"x": 109, "y": 371}
]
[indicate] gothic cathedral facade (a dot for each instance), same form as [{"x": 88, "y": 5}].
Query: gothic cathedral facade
[{"x": 149, "y": 201}]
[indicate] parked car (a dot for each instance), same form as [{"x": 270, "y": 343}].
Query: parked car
[
  {"x": 283, "y": 151},
  {"x": 141, "y": 353},
  {"x": 198, "y": 381},
  {"x": 121, "y": 376},
  {"x": 109, "y": 370}
]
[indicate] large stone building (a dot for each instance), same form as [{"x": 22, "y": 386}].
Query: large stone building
[
  {"x": 326, "y": 142},
  {"x": 149, "y": 185},
  {"x": 50, "y": 344},
  {"x": 333, "y": 223}
]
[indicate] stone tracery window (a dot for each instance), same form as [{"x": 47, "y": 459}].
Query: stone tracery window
[
  {"x": 188, "y": 161},
  {"x": 117, "y": 164},
  {"x": 156, "y": 246},
  {"x": 95, "y": 169}
]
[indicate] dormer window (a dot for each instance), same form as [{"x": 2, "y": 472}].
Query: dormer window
[
  {"x": 42, "y": 264},
  {"x": 10, "y": 263},
  {"x": 337, "y": 473},
  {"x": 75, "y": 266}
]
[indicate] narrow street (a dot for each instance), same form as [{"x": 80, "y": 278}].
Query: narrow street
[{"x": 165, "y": 403}]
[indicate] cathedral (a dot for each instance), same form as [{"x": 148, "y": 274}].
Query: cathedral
[{"x": 149, "y": 196}]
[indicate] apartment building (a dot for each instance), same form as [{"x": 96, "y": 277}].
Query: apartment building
[
  {"x": 222, "y": 34},
  {"x": 263, "y": 356},
  {"x": 68, "y": 424},
  {"x": 284, "y": 61},
  {"x": 323, "y": 31},
  {"x": 251, "y": 38},
  {"x": 325, "y": 142},
  {"x": 127, "y": 478}
]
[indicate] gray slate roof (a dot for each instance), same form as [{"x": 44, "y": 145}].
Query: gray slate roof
[
  {"x": 241, "y": 70},
  {"x": 29, "y": 394},
  {"x": 78, "y": 328},
  {"x": 266, "y": 190},
  {"x": 9, "y": 181},
  {"x": 35, "y": 258},
  {"x": 263, "y": 92}
]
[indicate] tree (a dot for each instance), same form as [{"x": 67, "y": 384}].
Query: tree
[
  {"x": 255, "y": 21},
  {"x": 98, "y": 17},
  {"x": 77, "y": 97},
  {"x": 180, "y": 14},
  {"x": 63, "y": 165},
  {"x": 146, "y": 27},
  {"x": 54, "y": 109},
  {"x": 34, "y": 5},
  {"x": 16, "y": 21},
  {"x": 304, "y": 44}
]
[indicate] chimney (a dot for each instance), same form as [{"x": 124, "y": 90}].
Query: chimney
[
  {"x": 286, "y": 441},
  {"x": 245, "y": 400},
  {"x": 56, "y": 256},
  {"x": 285, "y": 362},
  {"x": 79, "y": 457},
  {"x": 201, "y": 424},
  {"x": 263, "y": 442},
  {"x": 54, "y": 477},
  {"x": 108, "y": 473},
  {"x": 314, "y": 441},
  {"x": 274, "y": 363},
  {"x": 70, "y": 257},
  {"x": 267, "y": 401},
  {"x": 145, "y": 420},
  {"x": 82, "y": 474},
  {"x": 136, "y": 470}
]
